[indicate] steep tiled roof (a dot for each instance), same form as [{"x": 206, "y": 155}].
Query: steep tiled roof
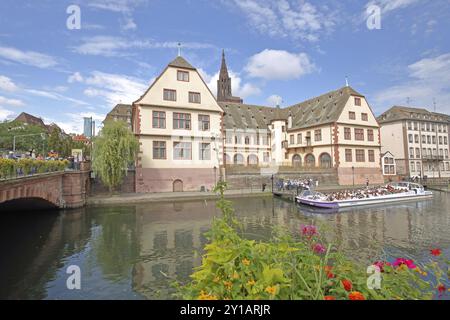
[
  {"x": 322, "y": 109},
  {"x": 398, "y": 113},
  {"x": 180, "y": 62},
  {"x": 316, "y": 111}
]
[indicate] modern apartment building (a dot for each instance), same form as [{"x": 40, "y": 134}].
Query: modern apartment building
[{"x": 419, "y": 140}]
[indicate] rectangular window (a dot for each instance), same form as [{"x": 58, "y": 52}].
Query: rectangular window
[
  {"x": 416, "y": 138},
  {"x": 416, "y": 126},
  {"x": 409, "y": 125},
  {"x": 318, "y": 135},
  {"x": 348, "y": 155},
  {"x": 428, "y": 139},
  {"x": 159, "y": 150},
  {"x": 194, "y": 97},
  {"x": 440, "y": 140},
  {"x": 159, "y": 119},
  {"x": 410, "y": 138},
  {"x": 358, "y": 102},
  {"x": 183, "y": 76},
  {"x": 228, "y": 138},
  {"x": 347, "y": 134},
  {"x": 299, "y": 138},
  {"x": 351, "y": 115},
  {"x": 182, "y": 151},
  {"x": 417, "y": 153},
  {"x": 203, "y": 122},
  {"x": 182, "y": 121},
  {"x": 359, "y": 134},
  {"x": 266, "y": 157},
  {"x": 370, "y": 135},
  {"x": 411, "y": 152},
  {"x": 371, "y": 156},
  {"x": 360, "y": 155},
  {"x": 364, "y": 117},
  {"x": 434, "y": 140},
  {"x": 205, "y": 151},
  {"x": 291, "y": 139},
  {"x": 413, "y": 167},
  {"x": 424, "y": 139},
  {"x": 170, "y": 95},
  {"x": 445, "y": 140}
]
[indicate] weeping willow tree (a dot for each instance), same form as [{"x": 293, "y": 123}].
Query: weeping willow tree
[{"x": 114, "y": 150}]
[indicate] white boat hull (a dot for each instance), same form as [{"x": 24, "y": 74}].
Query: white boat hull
[{"x": 407, "y": 196}]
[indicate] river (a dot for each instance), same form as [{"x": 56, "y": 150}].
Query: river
[{"x": 137, "y": 251}]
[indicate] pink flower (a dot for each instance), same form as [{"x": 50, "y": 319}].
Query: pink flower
[
  {"x": 318, "y": 248},
  {"x": 381, "y": 265},
  {"x": 407, "y": 262},
  {"x": 309, "y": 231}
]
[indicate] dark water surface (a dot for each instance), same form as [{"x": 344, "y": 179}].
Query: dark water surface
[{"x": 136, "y": 251}]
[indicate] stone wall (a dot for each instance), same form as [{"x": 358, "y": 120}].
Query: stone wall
[
  {"x": 150, "y": 180},
  {"x": 127, "y": 185},
  {"x": 360, "y": 176}
]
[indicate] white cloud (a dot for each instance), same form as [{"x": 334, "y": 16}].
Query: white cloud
[
  {"x": 54, "y": 96},
  {"x": 109, "y": 46},
  {"x": 116, "y": 5},
  {"x": 428, "y": 78},
  {"x": 299, "y": 20},
  {"x": 11, "y": 102},
  {"x": 391, "y": 5},
  {"x": 5, "y": 114},
  {"x": 114, "y": 88},
  {"x": 76, "y": 77},
  {"x": 274, "y": 100},
  {"x": 6, "y": 84},
  {"x": 238, "y": 88},
  {"x": 74, "y": 121},
  {"x": 279, "y": 65},
  {"x": 30, "y": 58}
]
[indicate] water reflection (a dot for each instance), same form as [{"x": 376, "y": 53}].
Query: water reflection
[{"x": 135, "y": 252}]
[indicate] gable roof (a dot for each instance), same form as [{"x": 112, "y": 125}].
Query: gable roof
[
  {"x": 323, "y": 109},
  {"x": 30, "y": 119},
  {"x": 180, "y": 62},
  {"x": 399, "y": 113}
]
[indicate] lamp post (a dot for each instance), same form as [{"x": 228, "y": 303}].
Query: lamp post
[
  {"x": 353, "y": 174},
  {"x": 215, "y": 175}
]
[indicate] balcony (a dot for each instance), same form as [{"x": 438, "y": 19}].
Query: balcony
[{"x": 433, "y": 157}]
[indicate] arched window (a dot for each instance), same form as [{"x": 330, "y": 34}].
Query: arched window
[
  {"x": 296, "y": 161},
  {"x": 252, "y": 160},
  {"x": 310, "y": 161},
  {"x": 247, "y": 140},
  {"x": 325, "y": 160},
  {"x": 238, "y": 159}
]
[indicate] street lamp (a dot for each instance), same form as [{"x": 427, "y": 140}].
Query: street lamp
[{"x": 353, "y": 174}]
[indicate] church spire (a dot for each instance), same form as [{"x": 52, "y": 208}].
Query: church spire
[{"x": 224, "y": 93}]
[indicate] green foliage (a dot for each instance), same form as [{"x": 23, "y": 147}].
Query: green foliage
[
  {"x": 114, "y": 150},
  {"x": 300, "y": 268},
  {"x": 16, "y": 128},
  {"x": 11, "y": 168}
]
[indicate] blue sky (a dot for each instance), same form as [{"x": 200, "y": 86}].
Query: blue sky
[{"x": 285, "y": 50}]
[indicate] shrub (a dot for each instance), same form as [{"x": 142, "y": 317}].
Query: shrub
[
  {"x": 305, "y": 267},
  {"x": 7, "y": 168}
]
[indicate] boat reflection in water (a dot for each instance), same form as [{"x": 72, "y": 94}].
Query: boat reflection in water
[{"x": 137, "y": 251}]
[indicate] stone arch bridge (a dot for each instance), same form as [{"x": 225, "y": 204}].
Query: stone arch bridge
[{"x": 61, "y": 190}]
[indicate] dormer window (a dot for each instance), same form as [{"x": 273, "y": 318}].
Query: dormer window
[{"x": 183, "y": 76}]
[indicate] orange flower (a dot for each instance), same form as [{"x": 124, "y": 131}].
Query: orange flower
[
  {"x": 204, "y": 296},
  {"x": 251, "y": 282},
  {"x": 271, "y": 290},
  {"x": 329, "y": 298},
  {"x": 246, "y": 262},
  {"x": 355, "y": 295},
  {"x": 347, "y": 285},
  {"x": 228, "y": 284}
]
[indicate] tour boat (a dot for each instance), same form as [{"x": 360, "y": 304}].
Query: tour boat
[{"x": 402, "y": 191}]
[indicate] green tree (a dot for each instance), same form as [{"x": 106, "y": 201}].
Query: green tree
[
  {"x": 55, "y": 141},
  {"x": 114, "y": 150}
]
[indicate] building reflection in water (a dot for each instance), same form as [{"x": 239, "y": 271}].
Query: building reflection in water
[{"x": 137, "y": 251}]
